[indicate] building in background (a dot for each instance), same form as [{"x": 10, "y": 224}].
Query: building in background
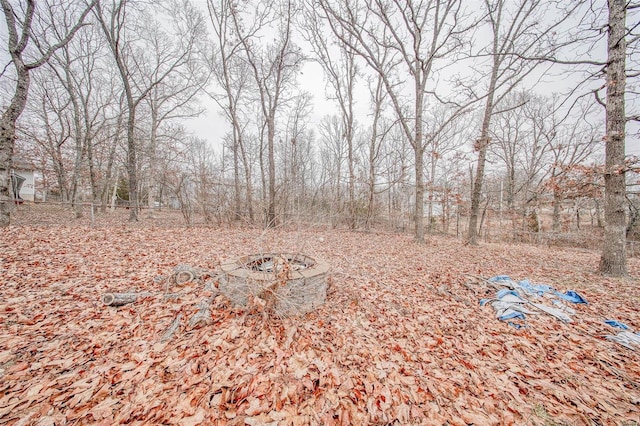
[{"x": 22, "y": 181}]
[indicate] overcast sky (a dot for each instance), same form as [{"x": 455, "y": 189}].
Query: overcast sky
[{"x": 211, "y": 125}]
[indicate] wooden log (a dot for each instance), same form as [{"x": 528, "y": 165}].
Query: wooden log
[
  {"x": 183, "y": 277},
  {"x": 172, "y": 329},
  {"x": 119, "y": 299},
  {"x": 183, "y": 274},
  {"x": 202, "y": 317}
]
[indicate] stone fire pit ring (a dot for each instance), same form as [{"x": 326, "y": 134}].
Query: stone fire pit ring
[{"x": 297, "y": 283}]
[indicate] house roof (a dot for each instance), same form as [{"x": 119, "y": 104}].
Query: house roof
[{"x": 20, "y": 163}]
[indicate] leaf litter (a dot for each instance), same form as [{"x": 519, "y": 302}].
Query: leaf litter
[{"x": 400, "y": 340}]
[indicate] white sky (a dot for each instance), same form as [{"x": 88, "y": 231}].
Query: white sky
[{"x": 211, "y": 125}]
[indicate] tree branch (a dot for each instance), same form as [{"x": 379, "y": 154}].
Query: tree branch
[{"x": 46, "y": 55}]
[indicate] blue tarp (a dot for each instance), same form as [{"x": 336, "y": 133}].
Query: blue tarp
[
  {"x": 538, "y": 289},
  {"x": 511, "y": 303},
  {"x": 500, "y": 278},
  {"x": 505, "y": 292},
  {"x": 511, "y": 314},
  {"x": 617, "y": 324},
  {"x": 571, "y": 296}
]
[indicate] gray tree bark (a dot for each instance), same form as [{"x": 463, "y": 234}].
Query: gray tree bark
[
  {"x": 19, "y": 36},
  {"x": 613, "y": 260}
]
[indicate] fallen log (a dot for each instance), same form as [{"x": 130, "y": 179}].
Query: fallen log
[
  {"x": 183, "y": 277},
  {"x": 119, "y": 299},
  {"x": 183, "y": 274}
]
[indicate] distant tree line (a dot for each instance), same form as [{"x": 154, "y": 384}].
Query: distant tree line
[{"x": 443, "y": 110}]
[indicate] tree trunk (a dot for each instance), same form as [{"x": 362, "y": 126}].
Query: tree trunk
[
  {"x": 153, "y": 159},
  {"x": 263, "y": 174},
  {"x": 446, "y": 209},
  {"x": 372, "y": 159},
  {"x": 482, "y": 146},
  {"x": 8, "y": 138},
  {"x": 419, "y": 210},
  {"x": 352, "y": 181},
  {"x": 236, "y": 179},
  {"x": 109, "y": 172},
  {"x": 472, "y": 232},
  {"x": 432, "y": 182},
  {"x": 418, "y": 147},
  {"x": 483, "y": 217},
  {"x": 335, "y": 209},
  {"x": 271, "y": 209},
  {"x": 132, "y": 164},
  {"x": 350, "y": 155},
  {"x": 555, "y": 226},
  {"x": 614, "y": 254},
  {"x": 79, "y": 156},
  {"x": 511, "y": 188},
  {"x": 598, "y": 214},
  {"x": 247, "y": 176},
  {"x": 92, "y": 171}
]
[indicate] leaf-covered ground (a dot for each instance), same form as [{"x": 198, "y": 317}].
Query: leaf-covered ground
[{"x": 401, "y": 339}]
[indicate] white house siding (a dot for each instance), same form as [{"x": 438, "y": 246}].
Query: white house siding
[{"x": 27, "y": 190}]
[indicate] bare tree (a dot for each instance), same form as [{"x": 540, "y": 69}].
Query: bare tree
[
  {"x": 519, "y": 29},
  {"x": 47, "y": 124},
  {"x": 418, "y": 35},
  {"x": 22, "y": 31},
  {"x": 379, "y": 130},
  {"x": 232, "y": 74},
  {"x": 571, "y": 140},
  {"x": 510, "y": 134},
  {"x": 334, "y": 156},
  {"x": 81, "y": 75},
  {"x": 341, "y": 72},
  {"x": 141, "y": 74},
  {"x": 521, "y": 140},
  {"x": 175, "y": 96},
  {"x": 622, "y": 42},
  {"x": 294, "y": 151},
  {"x": 274, "y": 68},
  {"x": 449, "y": 137}
]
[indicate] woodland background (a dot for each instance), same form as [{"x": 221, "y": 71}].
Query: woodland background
[
  {"x": 485, "y": 111},
  {"x": 499, "y": 122}
]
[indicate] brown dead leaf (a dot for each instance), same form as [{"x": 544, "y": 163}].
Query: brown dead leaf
[
  {"x": 196, "y": 419},
  {"x": 391, "y": 344}
]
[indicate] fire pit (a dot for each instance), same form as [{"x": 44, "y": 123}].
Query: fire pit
[{"x": 290, "y": 284}]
